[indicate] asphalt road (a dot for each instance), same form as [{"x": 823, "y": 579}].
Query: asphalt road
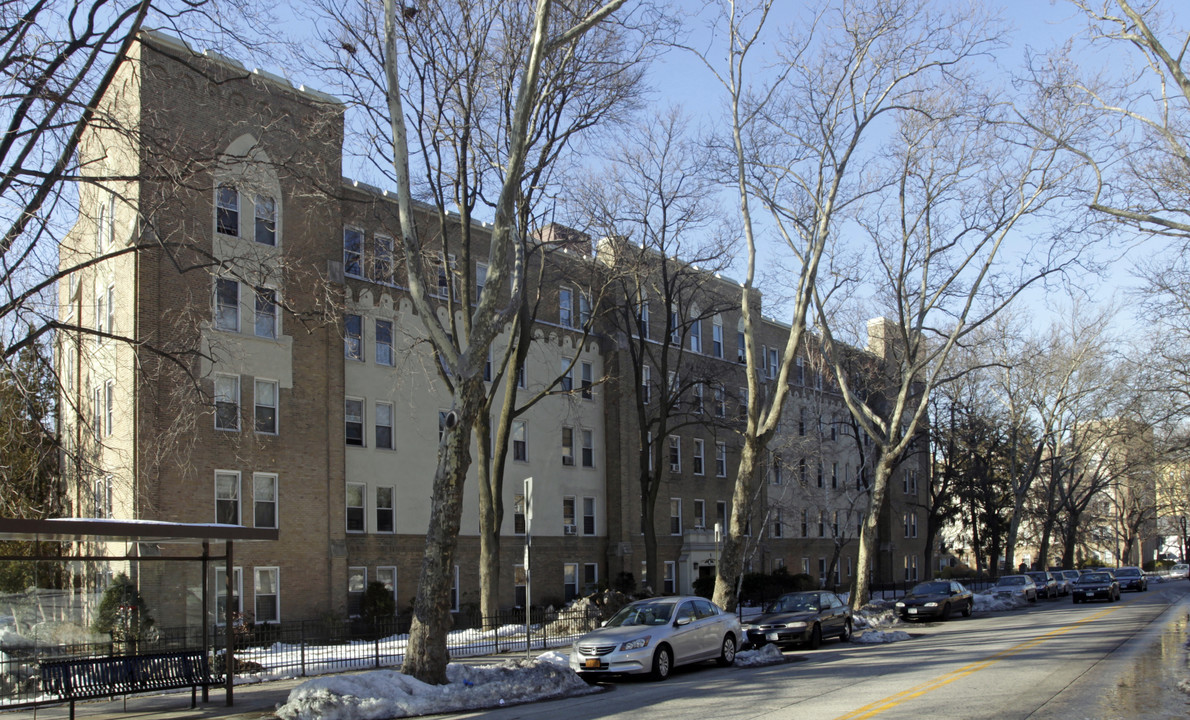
[{"x": 1050, "y": 660}]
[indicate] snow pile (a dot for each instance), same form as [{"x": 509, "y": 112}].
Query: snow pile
[
  {"x": 766, "y": 655},
  {"x": 389, "y": 694},
  {"x": 878, "y": 613},
  {"x": 988, "y": 603},
  {"x": 877, "y": 637}
]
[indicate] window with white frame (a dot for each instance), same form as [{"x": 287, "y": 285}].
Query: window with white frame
[
  {"x": 384, "y": 425},
  {"x": 642, "y": 314},
  {"x": 588, "y": 448},
  {"x": 778, "y": 526},
  {"x": 266, "y": 313},
  {"x": 588, "y": 516},
  {"x": 567, "y": 446},
  {"x": 109, "y": 407},
  {"x": 384, "y": 343},
  {"x": 265, "y": 230},
  {"x": 353, "y": 417},
  {"x": 569, "y": 525},
  {"x": 699, "y": 455},
  {"x": 720, "y": 401},
  {"x": 382, "y": 261},
  {"x": 227, "y": 211},
  {"x": 586, "y": 377},
  {"x": 910, "y": 568},
  {"x": 518, "y": 514},
  {"x": 698, "y": 405},
  {"x": 444, "y": 268},
  {"x": 267, "y": 595},
  {"x": 227, "y": 402},
  {"x": 386, "y": 518},
  {"x": 520, "y": 441},
  {"x": 675, "y": 516},
  {"x": 353, "y": 252},
  {"x": 265, "y": 406},
  {"x": 741, "y": 350},
  {"x": 696, "y": 335},
  {"x": 220, "y": 598},
  {"x": 227, "y": 497},
  {"x": 805, "y": 522},
  {"x": 227, "y": 305},
  {"x": 646, "y": 383},
  {"x": 481, "y": 279},
  {"x": 569, "y": 581},
  {"x": 700, "y": 514},
  {"x": 102, "y": 497},
  {"x": 109, "y": 317},
  {"x": 264, "y": 500},
  {"x": 590, "y": 577},
  {"x": 671, "y": 577},
  {"x": 105, "y": 224},
  {"x": 775, "y": 471},
  {"x": 356, "y": 509},
  {"x": 822, "y": 523},
  {"x": 675, "y": 326},
  {"x": 822, "y": 572},
  {"x": 835, "y": 524},
  {"x": 799, "y": 371},
  {"x": 584, "y": 309},
  {"x": 774, "y": 363},
  {"x": 717, "y": 336},
  {"x": 97, "y": 413},
  {"x": 565, "y": 307},
  {"x": 357, "y": 585},
  {"x": 675, "y": 453},
  {"x": 720, "y": 459},
  {"x": 353, "y": 337}
]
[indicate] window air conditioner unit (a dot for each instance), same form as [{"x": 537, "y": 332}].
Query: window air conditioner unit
[
  {"x": 570, "y": 529},
  {"x": 675, "y": 467}
]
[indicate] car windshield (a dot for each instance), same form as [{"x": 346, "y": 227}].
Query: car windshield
[
  {"x": 1039, "y": 576},
  {"x": 930, "y": 588},
  {"x": 652, "y": 613},
  {"x": 794, "y": 603},
  {"x": 1012, "y": 580},
  {"x": 1095, "y": 578},
  {"x": 1128, "y": 572}
]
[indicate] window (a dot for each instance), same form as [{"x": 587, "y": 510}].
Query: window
[
  {"x": 821, "y": 572},
  {"x": 835, "y": 524},
  {"x": 698, "y": 406},
  {"x": 675, "y": 453},
  {"x": 357, "y": 583},
  {"x": 266, "y": 221},
  {"x": 671, "y": 577},
  {"x": 227, "y": 211},
  {"x": 487, "y": 366},
  {"x": 382, "y": 262},
  {"x": 105, "y": 224},
  {"x": 643, "y": 316},
  {"x": 717, "y": 336},
  {"x": 834, "y": 476},
  {"x": 387, "y": 575},
  {"x": 97, "y": 413},
  {"x": 777, "y": 524},
  {"x": 773, "y": 363},
  {"x": 227, "y": 497},
  {"x": 108, "y": 318},
  {"x": 384, "y": 426},
  {"x": 266, "y": 313},
  {"x": 353, "y": 337},
  {"x": 720, "y": 459},
  {"x": 385, "y": 514},
  {"x": 584, "y": 309},
  {"x": 102, "y": 498},
  {"x": 675, "y": 327},
  {"x": 568, "y": 514},
  {"x": 820, "y": 481},
  {"x": 353, "y": 252},
  {"x": 799, "y": 372},
  {"x": 264, "y": 500},
  {"x": 355, "y": 507},
  {"x": 646, "y": 383},
  {"x": 741, "y": 352},
  {"x": 696, "y": 336},
  {"x": 775, "y": 472},
  {"x": 518, "y": 514},
  {"x": 588, "y": 516},
  {"x": 265, "y": 403},
  {"x": 801, "y": 422},
  {"x": 675, "y": 516},
  {"x": 268, "y": 606},
  {"x": 586, "y": 378},
  {"x": 567, "y": 446},
  {"x": 569, "y": 581},
  {"x": 384, "y": 343},
  {"x": 910, "y": 568},
  {"x": 805, "y": 523},
  {"x": 565, "y": 307},
  {"x": 912, "y": 482},
  {"x": 720, "y": 401},
  {"x": 109, "y": 406},
  {"x": 699, "y": 454},
  {"x": 227, "y": 402},
  {"x": 567, "y": 370},
  {"x": 227, "y": 305},
  {"x": 822, "y": 523},
  {"x": 353, "y": 412},
  {"x": 521, "y": 381},
  {"x": 590, "y": 577},
  {"x": 481, "y": 279},
  {"x": 444, "y": 268},
  {"x": 237, "y": 591},
  {"x": 588, "y": 438},
  {"x": 520, "y": 441},
  {"x": 721, "y": 515},
  {"x": 700, "y": 514}
]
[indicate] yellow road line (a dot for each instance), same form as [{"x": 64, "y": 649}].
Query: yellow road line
[{"x": 873, "y": 709}]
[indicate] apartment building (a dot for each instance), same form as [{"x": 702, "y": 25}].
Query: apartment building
[{"x": 245, "y": 352}]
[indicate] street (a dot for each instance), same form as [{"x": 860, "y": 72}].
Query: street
[{"x": 1050, "y": 660}]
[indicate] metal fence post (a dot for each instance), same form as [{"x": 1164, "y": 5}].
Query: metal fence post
[{"x": 302, "y": 643}]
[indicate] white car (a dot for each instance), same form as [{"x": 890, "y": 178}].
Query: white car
[
  {"x": 1181, "y": 570},
  {"x": 655, "y": 636}
]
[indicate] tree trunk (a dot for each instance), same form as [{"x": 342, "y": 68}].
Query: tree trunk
[
  {"x": 489, "y": 528},
  {"x": 871, "y": 531},
  {"x": 731, "y": 560},
  {"x": 426, "y": 656}
]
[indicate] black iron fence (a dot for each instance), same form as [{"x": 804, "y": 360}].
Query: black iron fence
[{"x": 298, "y": 648}]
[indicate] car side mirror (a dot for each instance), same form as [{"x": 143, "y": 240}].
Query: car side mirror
[
  {"x": 603, "y": 623},
  {"x": 684, "y": 620}
]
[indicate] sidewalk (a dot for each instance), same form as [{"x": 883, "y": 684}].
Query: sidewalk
[{"x": 252, "y": 701}]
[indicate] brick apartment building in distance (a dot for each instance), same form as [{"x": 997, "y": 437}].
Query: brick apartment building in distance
[{"x": 277, "y": 377}]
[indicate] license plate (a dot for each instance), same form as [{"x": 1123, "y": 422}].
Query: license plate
[
  {"x": 912, "y": 611},
  {"x": 592, "y": 663},
  {"x": 772, "y": 636}
]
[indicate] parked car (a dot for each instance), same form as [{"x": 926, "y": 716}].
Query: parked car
[
  {"x": 1015, "y": 586},
  {"x": 1071, "y": 577},
  {"x": 1063, "y": 582},
  {"x": 935, "y": 599},
  {"x": 1179, "y": 571},
  {"x": 1131, "y": 578},
  {"x": 1095, "y": 585},
  {"x": 656, "y": 635},
  {"x": 1047, "y": 585},
  {"x": 803, "y": 618}
]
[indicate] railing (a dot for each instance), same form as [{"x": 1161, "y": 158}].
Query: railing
[{"x": 299, "y": 648}]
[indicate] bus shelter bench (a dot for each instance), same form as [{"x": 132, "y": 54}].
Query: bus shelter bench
[{"x": 94, "y": 677}]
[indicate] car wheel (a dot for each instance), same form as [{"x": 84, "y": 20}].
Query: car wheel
[
  {"x": 663, "y": 661},
  {"x": 846, "y": 634},
  {"x": 970, "y": 606},
  {"x": 815, "y": 637},
  {"x": 946, "y": 611},
  {"x": 727, "y": 651}
]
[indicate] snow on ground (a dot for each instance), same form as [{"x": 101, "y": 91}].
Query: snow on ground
[
  {"x": 879, "y": 637},
  {"x": 389, "y": 694},
  {"x": 987, "y": 603},
  {"x": 766, "y": 655}
]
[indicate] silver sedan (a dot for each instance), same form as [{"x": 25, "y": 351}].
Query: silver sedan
[{"x": 655, "y": 636}]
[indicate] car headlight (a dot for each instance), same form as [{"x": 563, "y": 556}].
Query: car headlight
[
  {"x": 795, "y": 626},
  {"x": 900, "y": 604},
  {"x": 931, "y": 604},
  {"x": 746, "y": 627},
  {"x": 636, "y": 644}
]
